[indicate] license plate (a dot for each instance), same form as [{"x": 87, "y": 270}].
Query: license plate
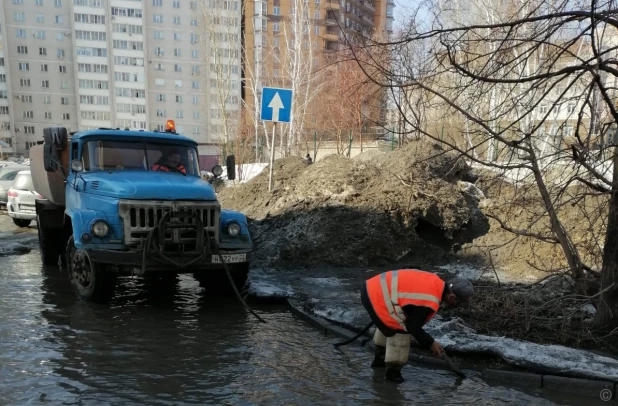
[
  {"x": 26, "y": 208},
  {"x": 229, "y": 258}
]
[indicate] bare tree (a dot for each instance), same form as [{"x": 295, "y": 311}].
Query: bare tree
[
  {"x": 220, "y": 40},
  {"x": 530, "y": 88}
]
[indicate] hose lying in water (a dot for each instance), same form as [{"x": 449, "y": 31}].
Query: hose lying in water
[
  {"x": 150, "y": 243},
  {"x": 229, "y": 276},
  {"x": 346, "y": 342}
]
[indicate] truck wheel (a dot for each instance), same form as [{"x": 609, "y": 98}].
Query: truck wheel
[
  {"x": 92, "y": 282},
  {"x": 22, "y": 223},
  {"x": 217, "y": 283},
  {"x": 49, "y": 244}
]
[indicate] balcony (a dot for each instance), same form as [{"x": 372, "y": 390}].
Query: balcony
[
  {"x": 368, "y": 5},
  {"x": 330, "y": 21},
  {"x": 331, "y": 37},
  {"x": 332, "y": 5}
]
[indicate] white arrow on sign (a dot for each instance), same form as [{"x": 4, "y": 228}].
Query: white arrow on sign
[{"x": 276, "y": 104}]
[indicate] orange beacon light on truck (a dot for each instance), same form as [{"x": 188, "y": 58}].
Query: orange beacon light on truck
[{"x": 170, "y": 126}]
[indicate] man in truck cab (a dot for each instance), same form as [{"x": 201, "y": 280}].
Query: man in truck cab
[{"x": 170, "y": 163}]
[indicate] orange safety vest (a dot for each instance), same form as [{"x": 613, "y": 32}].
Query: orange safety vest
[
  {"x": 157, "y": 167},
  {"x": 389, "y": 292}
]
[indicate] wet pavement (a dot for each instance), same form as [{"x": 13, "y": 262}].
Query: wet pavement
[{"x": 153, "y": 348}]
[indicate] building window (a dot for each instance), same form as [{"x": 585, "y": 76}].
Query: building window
[
  {"x": 177, "y": 52},
  {"x": 19, "y": 16},
  {"x": 176, "y": 4},
  {"x": 276, "y": 27},
  {"x": 177, "y": 36},
  {"x": 43, "y": 51},
  {"x": 1, "y": 61},
  {"x": 194, "y": 53},
  {"x": 178, "y": 99},
  {"x": 38, "y": 2},
  {"x": 22, "y": 49},
  {"x": 195, "y": 69},
  {"x": 277, "y": 10},
  {"x": 40, "y": 34},
  {"x": 64, "y": 100},
  {"x": 193, "y": 5},
  {"x": 316, "y": 30},
  {"x": 177, "y": 20},
  {"x": 57, "y": 3},
  {"x": 196, "y": 130},
  {"x": 157, "y": 3},
  {"x": 59, "y": 36},
  {"x": 60, "y": 53},
  {"x": 59, "y": 20},
  {"x": 48, "y": 115},
  {"x": 23, "y": 66},
  {"x": 194, "y": 38},
  {"x": 64, "y": 84},
  {"x": 157, "y": 18},
  {"x": 62, "y": 69},
  {"x": 179, "y": 114},
  {"x": 20, "y": 33},
  {"x": 44, "y": 67},
  {"x": 195, "y": 85},
  {"x": 196, "y": 115},
  {"x": 40, "y": 19},
  {"x": 28, "y": 114},
  {"x": 194, "y": 22},
  {"x": 18, "y": 1},
  {"x": 45, "y": 83},
  {"x": 46, "y": 99},
  {"x": 26, "y": 98},
  {"x": 158, "y": 35},
  {"x": 177, "y": 68},
  {"x": 161, "y": 97},
  {"x": 29, "y": 129},
  {"x": 158, "y": 51},
  {"x": 317, "y": 14},
  {"x": 66, "y": 116}
]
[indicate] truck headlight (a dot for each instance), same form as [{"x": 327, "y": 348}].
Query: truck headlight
[
  {"x": 100, "y": 228},
  {"x": 233, "y": 229}
]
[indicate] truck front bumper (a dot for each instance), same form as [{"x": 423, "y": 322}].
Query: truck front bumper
[{"x": 154, "y": 262}]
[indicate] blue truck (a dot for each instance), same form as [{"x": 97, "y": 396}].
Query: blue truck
[{"x": 121, "y": 202}]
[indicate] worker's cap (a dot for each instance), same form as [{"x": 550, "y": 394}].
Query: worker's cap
[{"x": 462, "y": 288}]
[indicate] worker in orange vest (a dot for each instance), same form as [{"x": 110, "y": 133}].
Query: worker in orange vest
[{"x": 400, "y": 303}]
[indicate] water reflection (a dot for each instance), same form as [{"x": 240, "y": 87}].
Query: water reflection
[{"x": 182, "y": 347}]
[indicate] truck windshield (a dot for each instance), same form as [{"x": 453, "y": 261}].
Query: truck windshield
[{"x": 139, "y": 156}]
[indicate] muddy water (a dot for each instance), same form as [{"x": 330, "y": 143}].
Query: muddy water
[{"x": 148, "y": 348}]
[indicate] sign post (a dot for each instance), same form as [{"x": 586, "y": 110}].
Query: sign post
[{"x": 276, "y": 107}]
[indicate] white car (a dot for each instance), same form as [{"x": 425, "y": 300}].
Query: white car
[{"x": 21, "y": 199}]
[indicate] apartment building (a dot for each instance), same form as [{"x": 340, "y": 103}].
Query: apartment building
[
  {"x": 86, "y": 64},
  {"x": 269, "y": 28}
]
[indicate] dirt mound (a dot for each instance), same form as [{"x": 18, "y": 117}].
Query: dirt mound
[{"x": 361, "y": 211}]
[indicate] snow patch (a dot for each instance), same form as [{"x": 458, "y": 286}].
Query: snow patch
[
  {"x": 245, "y": 172},
  {"x": 327, "y": 282},
  {"x": 262, "y": 286}
]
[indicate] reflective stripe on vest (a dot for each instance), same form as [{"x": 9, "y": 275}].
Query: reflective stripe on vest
[{"x": 416, "y": 288}]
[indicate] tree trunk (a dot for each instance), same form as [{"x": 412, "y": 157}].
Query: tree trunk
[{"x": 607, "y": 308}]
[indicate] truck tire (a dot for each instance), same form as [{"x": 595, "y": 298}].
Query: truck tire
[
  {"x": 92, "y": 282},
  {"x": 217, "y": 283},
  {"x": 50, "y": 245},
  {"x": 22, "y": 223}
]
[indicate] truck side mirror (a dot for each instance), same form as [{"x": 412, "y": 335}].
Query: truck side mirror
[{"x": 230, "y": 162}]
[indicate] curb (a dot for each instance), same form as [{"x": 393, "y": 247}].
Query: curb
[{"x": 600, "y": 389}]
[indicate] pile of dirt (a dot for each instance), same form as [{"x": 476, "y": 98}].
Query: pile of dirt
[{"x": 374, "y": 209}]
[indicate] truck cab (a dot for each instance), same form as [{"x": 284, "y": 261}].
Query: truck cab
[{"x": 132, "y": 202}]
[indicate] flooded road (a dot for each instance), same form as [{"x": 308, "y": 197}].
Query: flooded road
[{"x": 149, "y": 348}]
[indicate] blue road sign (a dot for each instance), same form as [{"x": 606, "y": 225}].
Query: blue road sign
[{"x": 276, "y": 105}]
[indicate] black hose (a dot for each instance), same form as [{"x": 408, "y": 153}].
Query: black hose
[
  {"x": 229, "y": 276},
  {"x": 346, "y": 342}
]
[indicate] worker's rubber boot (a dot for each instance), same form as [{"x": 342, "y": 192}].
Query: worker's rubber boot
[
  {"x": 378, "y": 359},
  {"x": 393, "y": 374}
]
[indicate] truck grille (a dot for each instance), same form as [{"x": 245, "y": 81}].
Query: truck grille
[{"x": 139, "y": 217}]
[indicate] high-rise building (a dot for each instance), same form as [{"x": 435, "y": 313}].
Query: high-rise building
[
  {"x": 273, "y": 27},
  {"x": 85, "y": 64}
]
